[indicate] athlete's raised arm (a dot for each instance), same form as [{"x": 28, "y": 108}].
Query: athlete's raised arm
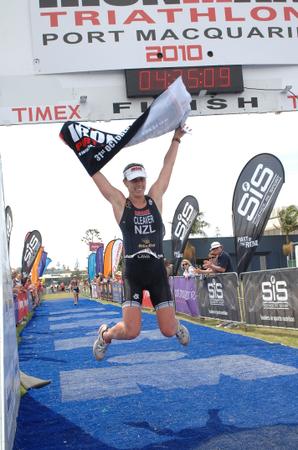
[
  {"x": 161, "y": 184},
  {"x": 110, "y": 193}
]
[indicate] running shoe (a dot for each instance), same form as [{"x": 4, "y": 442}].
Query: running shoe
[
  {"x": 100, "y": 346},
  {"x": 183, "y": 335}
]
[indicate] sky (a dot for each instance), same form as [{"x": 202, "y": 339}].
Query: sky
[{"x": 49, "y": 190}]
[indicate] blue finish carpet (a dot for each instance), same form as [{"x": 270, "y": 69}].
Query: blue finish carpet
[{"x": 223, "y": 391}]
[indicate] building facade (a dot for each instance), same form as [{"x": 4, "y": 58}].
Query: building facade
[{"x": 268, "y": 255}]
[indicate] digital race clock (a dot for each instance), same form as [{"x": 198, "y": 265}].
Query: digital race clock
[{"x": 214, "y": 79}]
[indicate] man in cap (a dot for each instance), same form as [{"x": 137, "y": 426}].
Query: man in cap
[
  {"x": 139, "y": 218},
  {"x": 221, "y": 261}
]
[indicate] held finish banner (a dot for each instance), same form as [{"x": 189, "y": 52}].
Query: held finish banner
[
  {"x": 255, "y": 194},
  {"x": 184, "y": 217},
  {"x": 95, "y": 148}
]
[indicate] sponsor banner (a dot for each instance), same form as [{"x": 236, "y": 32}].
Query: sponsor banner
[
  {"x": 254, "y": 196},
  {"x": 9, "y": 361},
  {"x": 31, "y": 247},
  {"x": 184, "y": 291},
  {"x": 218, "y": 296},
  {"x": 95, "y": 148},
  {"x": 48, "y": 261},
  {"x": 107, "y": 259},
  {"x": 34, "y": 270},
  {"x": 72, "y": 36},
  {"x": 184, "y": 217},
  {"x": 271, "y": 297},
  {"x": 42, "y": 263},
  {"x": 99, "y": 259},
  {"x": 91, "y": 266},
  {"x": 9, "y": 223},
  {"x": 93, "y": 246},
  {"x": 116, "y": 254}
]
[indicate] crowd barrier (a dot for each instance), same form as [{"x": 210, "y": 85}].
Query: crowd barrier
[
  {"x": 271, "y": 297},
  {"x": 24, "y": 304},
  {"x": 267, "y": 298}
]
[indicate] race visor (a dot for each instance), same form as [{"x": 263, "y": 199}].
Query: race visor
[{"x": 135, "y": 171}]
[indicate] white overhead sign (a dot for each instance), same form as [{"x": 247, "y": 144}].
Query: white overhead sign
[
  {"x": 31, "y": 93},
  {"x": 102, "y": 96},
  {"x": 92, "y": 35}
]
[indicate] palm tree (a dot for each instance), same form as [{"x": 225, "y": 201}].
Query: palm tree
[
  {"x": 288, "y": 223},
  {"x": 199, "y": 225},
  {"x": 91, "y": 235}
]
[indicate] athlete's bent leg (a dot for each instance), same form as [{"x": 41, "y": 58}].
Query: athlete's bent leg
[
  {"x": 167, "y": 322},
  {"x": 129, "y": 327},
  {"x": 170, "y": 326}
]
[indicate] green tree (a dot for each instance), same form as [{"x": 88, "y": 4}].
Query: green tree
[
  {"x": 199, "y": 225},
  {"x": 288, "y": 220},
  {"x": 91, "y": 235}
]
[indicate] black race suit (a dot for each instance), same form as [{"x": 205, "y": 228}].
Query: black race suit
[{"x": 144, "y": 267}]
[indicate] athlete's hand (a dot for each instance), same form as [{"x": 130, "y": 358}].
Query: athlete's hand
[
  {"x": 181, "y": 131},
  {"x": 186, "y": 129}
]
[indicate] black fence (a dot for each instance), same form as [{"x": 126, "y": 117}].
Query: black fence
[{"x": 266, "y": 297}]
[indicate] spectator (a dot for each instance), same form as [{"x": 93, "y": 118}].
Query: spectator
[
  {"x": 16, "y": 282},
  {"x": 189, "y": 271},
  {"x": 118, "y": 277},
  {"x": 204, "y": 269},
  {"x": 31, "y": 288},
  {"x": 222, "y": 263}
]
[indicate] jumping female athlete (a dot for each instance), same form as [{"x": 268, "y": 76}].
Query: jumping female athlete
[{"x": 139, "y": 218}]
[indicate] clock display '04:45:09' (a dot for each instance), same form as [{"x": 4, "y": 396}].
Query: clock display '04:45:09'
[{"x": 214, "y": 79}]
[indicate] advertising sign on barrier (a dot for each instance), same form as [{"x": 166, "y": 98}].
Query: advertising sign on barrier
[
  {"x": 271, "y": 297},
  {"x": 218, "y": 296},
  {"x": 117, "y": 291},
  {"x": 185, "y": 296}
]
